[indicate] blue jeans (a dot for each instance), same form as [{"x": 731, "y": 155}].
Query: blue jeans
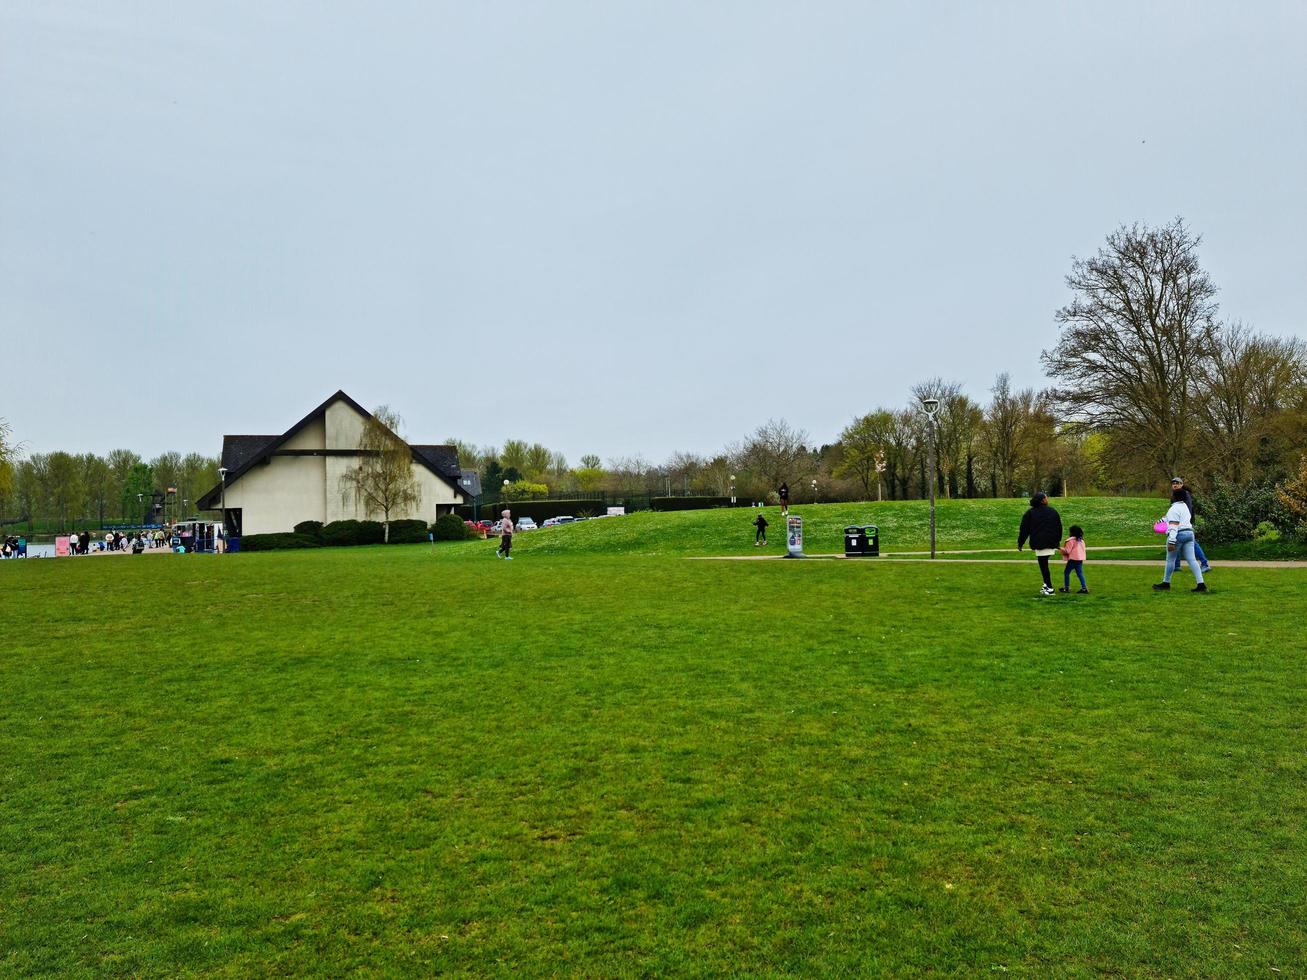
[
  {"x": 1184, "y": 548},
  {"x": 1073, "y": 566},
  {"x": 1198, "y": 553}
]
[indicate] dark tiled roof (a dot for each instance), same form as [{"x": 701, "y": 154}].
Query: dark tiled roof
[
  {"x": 470, "y": 481},
  {"x": 442, "y": 459},
  {"x": 239, "y": 450},
  {"x": 239, "y": 453}
]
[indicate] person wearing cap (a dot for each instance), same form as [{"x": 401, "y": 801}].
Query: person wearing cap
[
  {"x": 505, "y": 537},
  {"x": 1178, "y": 484},
  {"x": 1042, "y": 526},
  {"x": 1180, "y": 542}
]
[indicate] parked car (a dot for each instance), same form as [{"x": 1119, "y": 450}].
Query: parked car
[
  {"x": 555, "y": 521},
  {"x": 526, "y": 524}
]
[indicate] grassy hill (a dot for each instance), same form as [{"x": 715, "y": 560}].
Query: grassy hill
[
  {"x": 603, "y": 760},
  {"x": 904, "y": 526}
]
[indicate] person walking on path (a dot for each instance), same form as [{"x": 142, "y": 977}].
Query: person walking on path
[
  {"x": 1042, "y": 526},
  {"x": 784, "y": 493},
  {"x": 1178, "y": 484},
  {"x": 1180, "y": 543},
  {"x": 760, "y": 537},
  {"x": 505, "y": 537},
  {"x": 1074, "y": 553}
]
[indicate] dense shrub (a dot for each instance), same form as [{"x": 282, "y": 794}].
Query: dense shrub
[
  {"x": 688, "y": 503},
  {"x": 346, "y": 533},
  {"x": 311, "y": 528},
  {"x": 278, "y": 542},
  {"x": 1292, "y": 497},
  {"x": 1232, "y": 511},
  {"x": 341, "y": 533},
  {"x": 449, "y": 527},
  {"x": 408, "y": 532}
]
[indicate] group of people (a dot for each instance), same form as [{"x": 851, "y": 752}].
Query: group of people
[
  {"x": 84, "y": 542},
  {"x": 1041, "y": 526},
  {"x": 15, "y": 546}
]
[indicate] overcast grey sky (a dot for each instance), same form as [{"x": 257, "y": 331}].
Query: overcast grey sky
[{"x": 611, "y": 227}]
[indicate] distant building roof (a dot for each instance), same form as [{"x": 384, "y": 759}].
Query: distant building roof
[
  {"x": 239, "y": 453},
  {"x": 470, "y": 482}
]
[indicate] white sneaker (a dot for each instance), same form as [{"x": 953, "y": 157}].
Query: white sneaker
[
  {"x": 1045, "y": 590},
  {"x": 508, "y": 558}
]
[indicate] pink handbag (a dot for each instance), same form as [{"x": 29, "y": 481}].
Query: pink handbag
[{"x": 1160, "y": 527}]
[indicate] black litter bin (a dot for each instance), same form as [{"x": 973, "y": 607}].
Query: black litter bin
[{"x": 855, "y": 542}]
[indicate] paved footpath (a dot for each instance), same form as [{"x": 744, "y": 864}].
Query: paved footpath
[{"x": 912, "y": 556}]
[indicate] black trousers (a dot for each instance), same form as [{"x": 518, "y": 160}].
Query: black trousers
[
  {"x": 505, "y": 544},
  {"x": 1043, "y": 569}
]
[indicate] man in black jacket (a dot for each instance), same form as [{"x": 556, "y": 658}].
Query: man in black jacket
[
  {"x": 1178, "y": 484},
  {"x": 1042, "y": 526}
]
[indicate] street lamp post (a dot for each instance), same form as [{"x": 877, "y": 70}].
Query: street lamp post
[
  {"x": 814, "y": 489},
  {"x": 732, "y": 489},
  {"x": 930, "y": 406},
  {"x": 880, "y": 469},
  {"x": 222, "y": 482}
]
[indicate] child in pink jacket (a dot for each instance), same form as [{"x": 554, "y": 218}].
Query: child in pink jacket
[{"x": 1074, "y": 553}]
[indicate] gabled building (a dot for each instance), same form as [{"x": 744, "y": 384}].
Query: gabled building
[{"x": 274, "y": 482}]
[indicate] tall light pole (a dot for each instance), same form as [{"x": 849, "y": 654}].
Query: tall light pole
[
  {"x": 732, "y": 489},
  {"x": 814, "y": 489},
  {"x": 930, "y": 406},
  {"x": 880, "y": 469},
  {"x": 222, "y": 481}
]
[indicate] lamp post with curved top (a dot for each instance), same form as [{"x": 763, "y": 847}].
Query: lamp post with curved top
[{"x": 931, "y": 406}]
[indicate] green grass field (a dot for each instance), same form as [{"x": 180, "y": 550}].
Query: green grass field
[{"x": 603, "y": 759}]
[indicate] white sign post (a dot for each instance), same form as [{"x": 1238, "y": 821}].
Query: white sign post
[{"x": 794, "y": 537}]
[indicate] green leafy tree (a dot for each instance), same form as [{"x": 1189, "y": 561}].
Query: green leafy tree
[
  {"x": 137, "y": 492},
  {"x": 862, "y": 443}
]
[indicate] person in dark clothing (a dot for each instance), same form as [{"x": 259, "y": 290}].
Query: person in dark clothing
[
  {"x": 1178, "y": 484},
  {"x": 1041, "y": 525},
  {"x": 760, "y": 537},
  {"x": 784, "y": 493}
]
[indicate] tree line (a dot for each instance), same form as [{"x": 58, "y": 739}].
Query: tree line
[
  {"x": 117, "y": 487},
  {"x": 1146, "y": 381}
]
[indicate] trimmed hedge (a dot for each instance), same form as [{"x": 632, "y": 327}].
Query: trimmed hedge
[
  {"x": 312, "y": 528},
  {"x": 342, "y": 534},
  {"x": 278, "y": 542},
  {"x": 408, "y": 532},
  {"x": 449, "y": 527},
  {"x": 688, "y": 503}
]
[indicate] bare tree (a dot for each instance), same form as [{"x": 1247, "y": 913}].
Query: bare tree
[
  {"x": 776, "y": 454},
  {"x": 1134, "y": 338},
  {"x": 1002, "y": 436},
  {"x": 1245, "y": 388},
  {"x": 950, "y": 421},
  {"x": 8, "y": 458},
  {"x": 382, "y": 482}
]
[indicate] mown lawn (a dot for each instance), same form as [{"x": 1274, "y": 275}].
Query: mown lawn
[
  {"x": 391, "y": 761},
  {"x": 904, "y": 526}
]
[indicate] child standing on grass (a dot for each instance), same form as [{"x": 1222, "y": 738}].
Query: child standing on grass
[
  {"x": 760, "y": 537},
  {"x": 1074, "y": 553}
]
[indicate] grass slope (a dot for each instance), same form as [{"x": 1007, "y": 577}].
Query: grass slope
[
  {"x": 395, "y": 761},
  {"x": 904, "y": 526}
]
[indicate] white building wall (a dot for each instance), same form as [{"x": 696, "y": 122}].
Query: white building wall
[{"x": 278, "y": 495}]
